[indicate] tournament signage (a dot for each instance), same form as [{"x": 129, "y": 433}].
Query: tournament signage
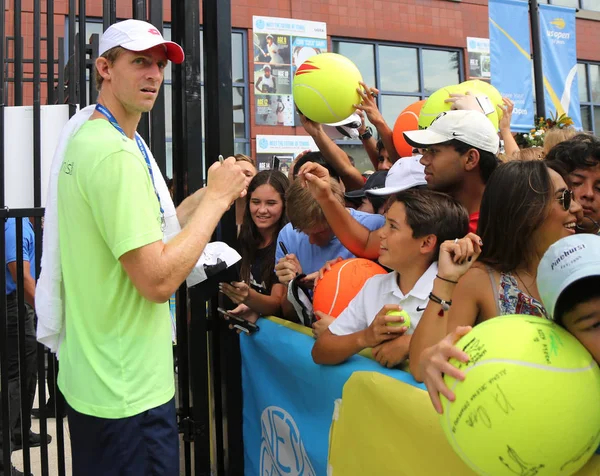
[
  {"x": 280, "y": 46},
  {"x": 559, "y": 54},
  {"x": 511, "y": 66}
]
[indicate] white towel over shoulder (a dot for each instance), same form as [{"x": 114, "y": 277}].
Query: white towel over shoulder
[{"x": 49, "y": 292}]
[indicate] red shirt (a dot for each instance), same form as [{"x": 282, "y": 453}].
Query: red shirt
[{"x": 473, "y": 220}]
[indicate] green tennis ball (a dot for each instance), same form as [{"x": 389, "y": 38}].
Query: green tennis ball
[
  {"x": 435, "y": 105},
  {"x": 527, "y": 381},
  {"x": 325, "y": 88},
  {"x": 403, "y": 314}
]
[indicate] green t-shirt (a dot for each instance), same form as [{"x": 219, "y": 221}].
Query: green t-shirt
[{"x": 116, "y": 359}]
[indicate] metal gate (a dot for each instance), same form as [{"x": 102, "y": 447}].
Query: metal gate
[{"x": 209, "y": 403}]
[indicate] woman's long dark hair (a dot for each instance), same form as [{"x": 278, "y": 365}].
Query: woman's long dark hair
[
  {"x": 250, "y": 238},
  {"x": 515, "y": 203}
]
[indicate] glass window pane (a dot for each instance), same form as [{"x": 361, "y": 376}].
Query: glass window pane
[
  {"x": 169, "y": 154},
  {"x": 440, "y": 68},
  {"x": 363, "y": 57},
  {"x": 590, "y": 5},
  {"x": 169, "y": 68},
  {"x": 398, "y": 69},
  {"x": 239, "y": 119},
  {"x": 241, "y": 148},
  {"x": 582, "y": 82},
  {"x": 595, "y": 82},
  {"x": 596, "y": 119},
  {"x": 392, "y": 106},
  {"x": 586, "y": 118},
  {"x": 237, "y": 58}
]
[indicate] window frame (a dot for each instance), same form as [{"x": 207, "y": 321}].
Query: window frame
[
  {"x": 579, "y": 5},
  {"x": 589, "y": 103},
  {"x": 421, "y": 93}
]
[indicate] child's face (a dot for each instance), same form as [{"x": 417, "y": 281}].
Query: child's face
[
  {"x": 398, "y": 247},
  {"x": 583, "y": 321}
]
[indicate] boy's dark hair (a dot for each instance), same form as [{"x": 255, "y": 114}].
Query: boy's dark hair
[
  {"x": 576, "y": 293},
  {"x": 433, "y": 213},
  {"x": 487, "y": 161},
  {"x": 318, "y": 158},
  {"x": 580, "y": 152},
  {"x": 380, "y": 146}
]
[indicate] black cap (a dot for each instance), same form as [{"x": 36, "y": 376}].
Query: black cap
[{"x": 375, "y": 180}]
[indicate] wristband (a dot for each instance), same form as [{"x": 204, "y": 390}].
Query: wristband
[
  {"x": 445, "y": 304},
  {"x": 366, "y": 135}
]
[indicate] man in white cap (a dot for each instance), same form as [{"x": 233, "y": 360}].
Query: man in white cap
[
  {"x": 459, "y": 154},
  {"x": 116, "y": 363}
]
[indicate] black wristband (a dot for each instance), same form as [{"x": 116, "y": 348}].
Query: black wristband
[
  {"x": 366, "y": 135},
  {"x": 447, "y": 280},
  {"x": 445, "y": 304}
]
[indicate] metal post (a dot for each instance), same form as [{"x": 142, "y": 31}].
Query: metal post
[
  {"x": 50, "y": 51},
  {"x": 538, "y": 72},
  {"x": 72, "y": 61},
  {"x": 157, "y": 115},
  {"x": 18, "y": 56},
  {"x": 225, "y": 348},
  {"x": 109, "y": 13},
  {"x": 139, "y": 13},
  {"x": 3, "y": 350},
  {"x": 187, "y": 166},
  {"x": 82, "y": 60}
]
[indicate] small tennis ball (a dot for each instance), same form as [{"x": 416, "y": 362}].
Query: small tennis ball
[
  {"x": 325, "y": 88},
  {"x": 403, "y": 314},
  {"x": 527, "y": 381}
]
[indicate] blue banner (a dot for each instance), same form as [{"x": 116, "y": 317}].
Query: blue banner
[
  {"x": 559, "y": 58},
  {"x": 289, "y": 401},
  {"x": 510, "y": 53}
]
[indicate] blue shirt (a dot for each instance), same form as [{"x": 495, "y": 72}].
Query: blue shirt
[
  {"x": 10, "y": 234},
  {"x": 313, "y": 257}
]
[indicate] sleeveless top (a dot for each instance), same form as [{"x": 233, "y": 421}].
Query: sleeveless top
[{"x": 511, "y": 300}]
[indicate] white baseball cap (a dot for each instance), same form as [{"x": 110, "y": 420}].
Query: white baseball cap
[
  {"x": 470, "y": 127},
  {"x": 566, "y": 261},
  {"x": 407, "y": 172},
  {"x": 137, "y": 35}
]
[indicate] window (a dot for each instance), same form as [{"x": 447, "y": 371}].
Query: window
[
  {"x": 240, "y": 91},
  {"x": 593, "y": 5},
  {"x": 403, "y": 74},
  {"x": 589, "y": 95}
]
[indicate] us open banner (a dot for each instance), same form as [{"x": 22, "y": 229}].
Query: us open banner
[
  {"x": 511, "y": 66},
  {"x": 289, "y": 401},
  {"x": 559, "y": 54}
]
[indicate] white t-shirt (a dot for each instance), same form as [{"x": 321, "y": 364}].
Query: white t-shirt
[{"x": 381, "y": 290}]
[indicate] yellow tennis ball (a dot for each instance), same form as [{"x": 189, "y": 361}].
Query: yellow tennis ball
[
  {"x": 530, "y": 402},
  {"x": 435, "y": 105},
  {"x": 325, "y": 88},
  {"x": 403, "y": 314}
]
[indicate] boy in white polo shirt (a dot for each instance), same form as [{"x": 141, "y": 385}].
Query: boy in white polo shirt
[{"x": 417, "y": 222}]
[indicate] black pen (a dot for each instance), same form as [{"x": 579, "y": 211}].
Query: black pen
[{"x": 283, "y": 248}]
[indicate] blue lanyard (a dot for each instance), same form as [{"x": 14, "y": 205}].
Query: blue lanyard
[{"x": 103, "y": 110}]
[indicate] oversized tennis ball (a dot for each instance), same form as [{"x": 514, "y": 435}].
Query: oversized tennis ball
[
  {"x": 530, "y": 401},
  {"x": 325, "y": 88},
  {"x": 408, "y": 120},
  {"x": 491, "y": 92},
  {"x": 403, "y": 314},
  {"x": 434, "y": 105},
  {"x": 341, "y": 283}
]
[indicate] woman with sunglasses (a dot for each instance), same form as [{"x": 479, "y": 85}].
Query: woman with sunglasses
[{"x": 525, "y": 208}]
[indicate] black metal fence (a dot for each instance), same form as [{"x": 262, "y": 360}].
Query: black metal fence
[{"x": 207, "y": 353}]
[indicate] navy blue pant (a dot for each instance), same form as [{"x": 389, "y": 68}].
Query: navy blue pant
[{"x": 146, "y": 444}]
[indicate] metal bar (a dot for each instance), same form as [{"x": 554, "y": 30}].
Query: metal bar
[
  {"x": 19, "y": 212},
  {"x": 23, "y": 390},
  {"x": 109, "y": 13},
  {"x": 82, "y": 50},
  {"x": 94, "y": 48},
  {"x": 18, "y": 55},
  {"x": 60, "y": 433},
  {"x": 139, "y": 13},
  {"x": 72, "y": 61},
  {"x": 187, "y": 160},
  {"x": 536, "y": 43},
  {"x": 37, "y": 108},
  {"x": 224, "y": 348},
  {"x": 3, "y": 350},
  {"x": 50, "y": 51},
  {"x": 157, "y": 115},
  {"x": 61, "y": 71}
]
